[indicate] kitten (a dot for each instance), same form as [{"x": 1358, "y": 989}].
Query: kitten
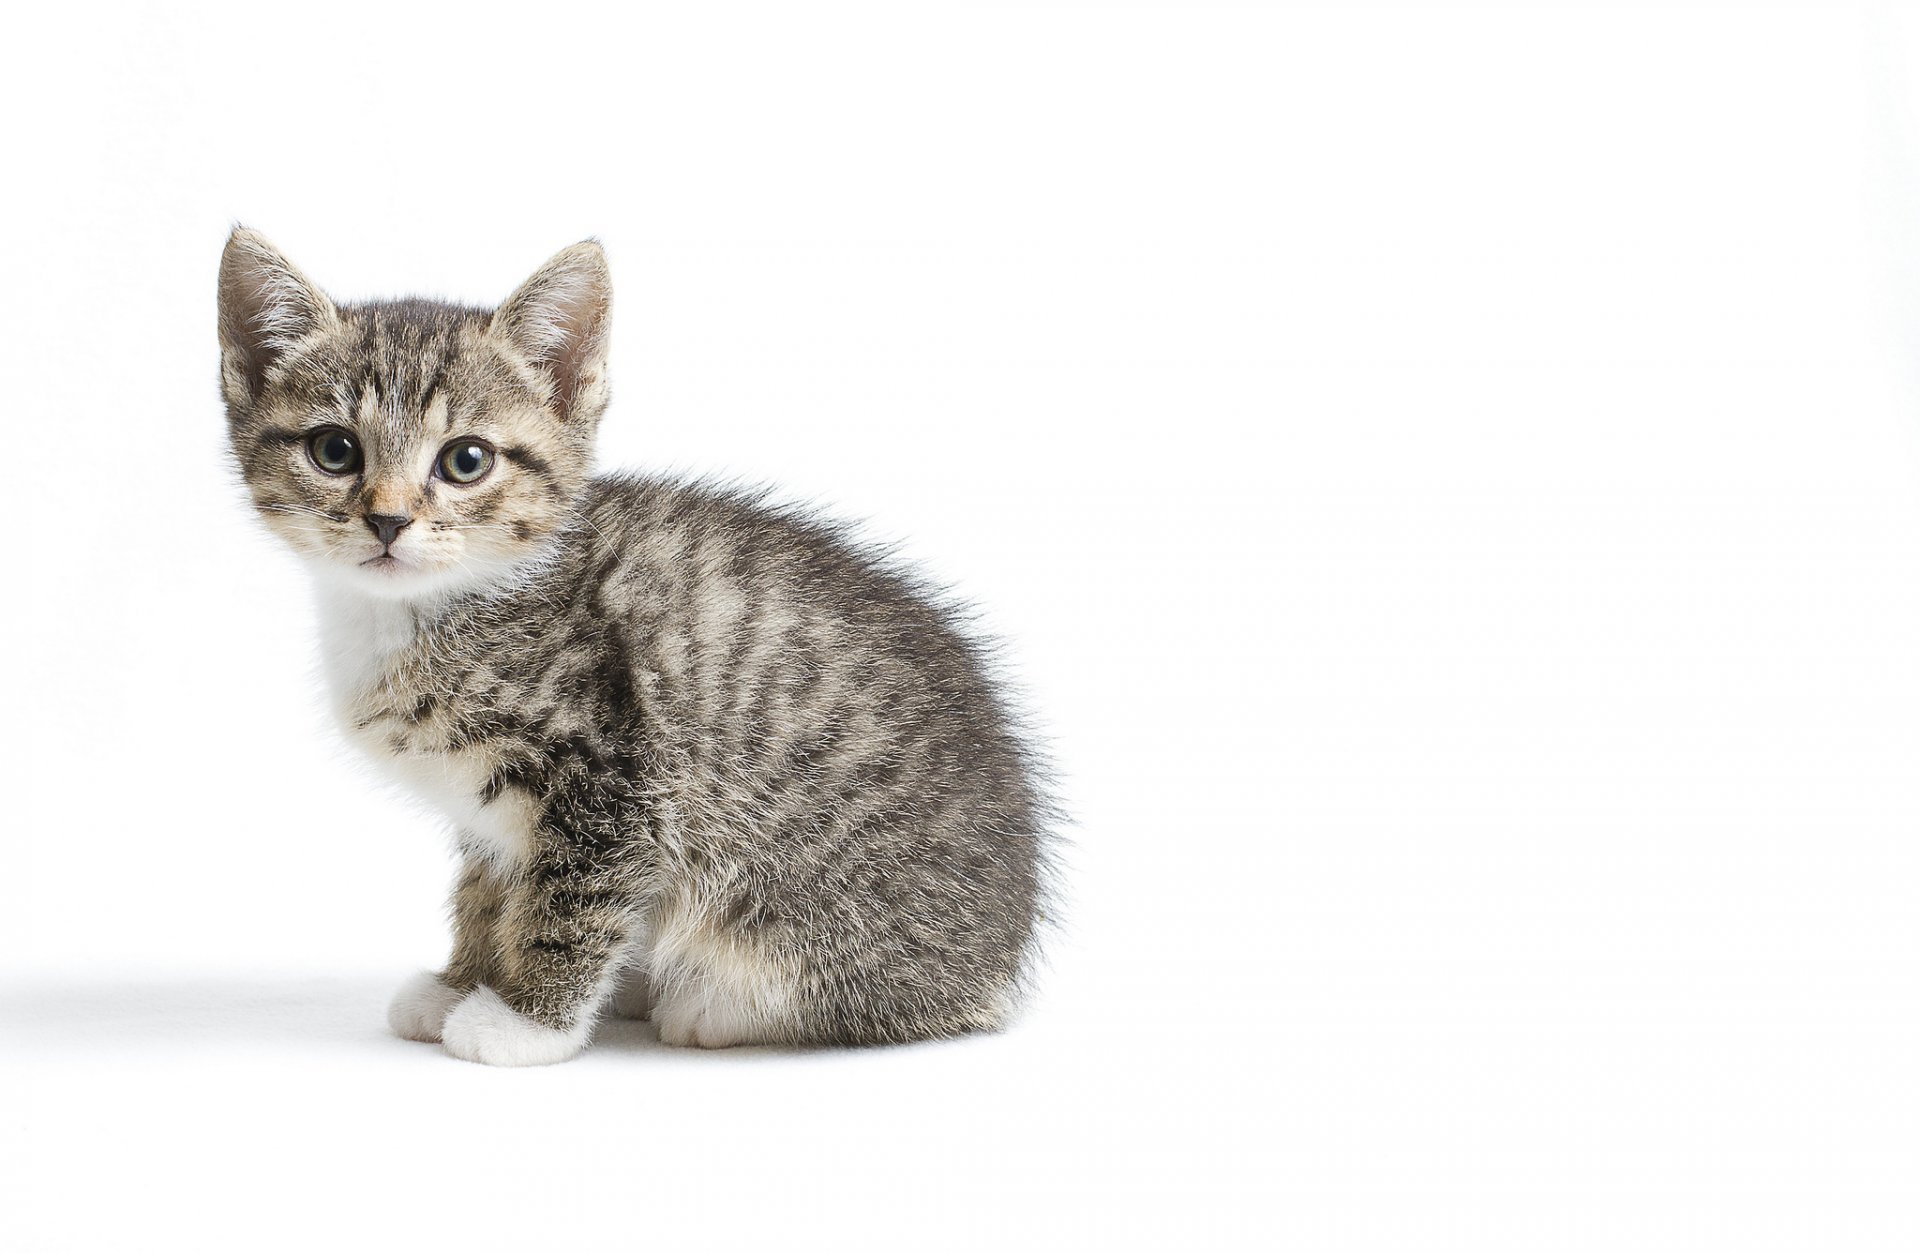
[{"x": 706, "y": 760}]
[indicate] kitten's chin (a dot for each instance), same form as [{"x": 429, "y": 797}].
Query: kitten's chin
[{"x": 395, "y": 578}]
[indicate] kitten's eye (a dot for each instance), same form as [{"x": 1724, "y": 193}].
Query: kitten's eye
[
  {"x": 465, "y": 461},
  {"x": 333, "y": 450}
]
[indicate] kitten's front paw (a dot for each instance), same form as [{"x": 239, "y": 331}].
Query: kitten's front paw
[
  {"x": 483, "y": 1028},
  {"x": 421, "y": 1006}
]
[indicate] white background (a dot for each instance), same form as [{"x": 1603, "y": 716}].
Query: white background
[{"x": 1449, "y": 476}]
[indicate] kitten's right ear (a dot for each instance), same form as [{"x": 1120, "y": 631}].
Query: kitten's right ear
[{"x": 266, "y": 307}]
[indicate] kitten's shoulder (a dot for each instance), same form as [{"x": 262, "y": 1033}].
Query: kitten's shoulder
[
  {"x": 710, "y": 521},
  {"x": 688, "y": 538}
]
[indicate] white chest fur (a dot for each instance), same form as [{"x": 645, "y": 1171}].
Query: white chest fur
[{"x": 377, "y": 666}]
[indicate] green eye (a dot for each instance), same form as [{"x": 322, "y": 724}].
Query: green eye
[
  {"x": 333, "y": 450},
  {"x": 465, "y": 461}
]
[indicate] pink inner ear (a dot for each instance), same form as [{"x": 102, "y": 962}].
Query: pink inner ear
[
  {"x": 577, "y": 322},
  {"x": 266, "y": 306},
  {"x": 559, "y": 318}
]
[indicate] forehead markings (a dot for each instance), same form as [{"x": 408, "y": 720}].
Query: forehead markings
[
  {"x": 438, "y": 412},
  {"x": 369, "y": 406},
  {"x": 431, "y": 401}
]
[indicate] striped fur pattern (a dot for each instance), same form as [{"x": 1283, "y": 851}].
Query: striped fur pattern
[{"x": 708, "y": 760}]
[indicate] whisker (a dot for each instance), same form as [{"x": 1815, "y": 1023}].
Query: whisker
[{"x": 277, "y": 507}]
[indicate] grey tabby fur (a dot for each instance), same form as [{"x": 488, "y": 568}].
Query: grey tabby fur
[{"x": 708, "y": 760}]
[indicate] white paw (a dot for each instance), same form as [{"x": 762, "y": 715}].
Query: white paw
[
  {"x": 707, "y": 1022},
  {"x": 483, "y": 1028},
  {"x": 421, "y": 1006}
]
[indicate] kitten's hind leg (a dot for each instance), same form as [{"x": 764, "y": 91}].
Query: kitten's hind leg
[
  {"x": 419, "y": 1009},
  {"x": 699, "y": 1013},
  {"x": 715, "y": 985}
]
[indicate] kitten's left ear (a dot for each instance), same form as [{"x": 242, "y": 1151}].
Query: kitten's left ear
[{"x": 558, "y": 321}]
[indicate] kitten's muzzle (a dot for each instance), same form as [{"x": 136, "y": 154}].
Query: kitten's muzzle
[{"x": 387, "y": 526}]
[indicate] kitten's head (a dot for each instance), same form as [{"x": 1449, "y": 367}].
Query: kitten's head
[{"x": 407, "y": 447}]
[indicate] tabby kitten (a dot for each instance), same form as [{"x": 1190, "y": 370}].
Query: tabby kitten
[{"x": 706, "y": 760}]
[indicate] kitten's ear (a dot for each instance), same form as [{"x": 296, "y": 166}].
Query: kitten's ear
[
  {"x": 266, "y": 307},
  {"x": 558, "y": 321}
]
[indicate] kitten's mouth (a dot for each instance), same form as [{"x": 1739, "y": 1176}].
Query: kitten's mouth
[{"x": 381, "y": 561}]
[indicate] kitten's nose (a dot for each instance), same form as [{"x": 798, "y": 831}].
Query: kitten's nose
[{"x": 387, "y": 526}]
